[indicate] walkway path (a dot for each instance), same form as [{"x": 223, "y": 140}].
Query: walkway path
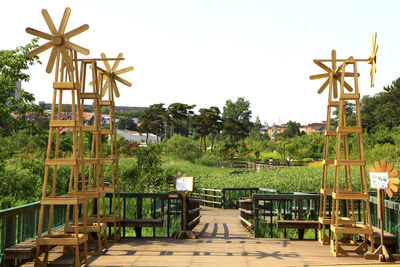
[{"x": 223, "y": 241}]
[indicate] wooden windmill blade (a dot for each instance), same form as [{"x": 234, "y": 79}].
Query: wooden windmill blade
[
  {"x": 116, "y": 63},
  {"x": 124, "y": 70},
  {"x": 114, "y": 87},
  {"x": 319, "y": 76},
  {"x": 58, "y": 41},
  {"x": 123, "y": 81},
  {"x": 112, "y": 75},
  {"x": 64, "y": 21},
  {"x": 324, "y": 85},
  {"x": 76, "y": 31},
  {"x": 39, "y": 33},
  {"x": 103, "y": 56},
  {"x": 49, "y": 21},
  {"x": 322, "y": 65},
  {"x": 372, "y": 58}
]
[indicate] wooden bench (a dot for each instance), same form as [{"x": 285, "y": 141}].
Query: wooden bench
[
  {"x": 139, "y": 223},
  {"x": 24, "y": 251},
  {"x": 300, "y": 225}
]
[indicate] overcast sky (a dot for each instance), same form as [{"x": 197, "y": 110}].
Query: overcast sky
[{"x": 204, "y": 52}]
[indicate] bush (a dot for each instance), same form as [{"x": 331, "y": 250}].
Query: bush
[
  {"x": 208, "y": 159},
  {"x": 182, "y": 147},
  {"x": 145, "y": 174},
  {"x": 379, "y": 152}
]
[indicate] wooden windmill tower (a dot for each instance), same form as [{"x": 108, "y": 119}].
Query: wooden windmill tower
[
  {"x": 344, "y": 222},
  {"x": 64, "y": 57},
  {"x": 109, "y": 90},
  {"x": 92, "y": 187},
  {"x": 333, "y": 78}
]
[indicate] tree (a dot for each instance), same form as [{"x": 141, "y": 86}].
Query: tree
[
  {"x": 292, "y": 130},
  {"x": 392, "y": 107},
  {"x": 178, "y": 112},
  {"x": 13, "y": 63},
  {"x": 239, "y": 111},
  {"x": 215, "y": 125},
  {"x": 236, "y": 130},
  {"x": 126, "y": 123},
  {"x": 200, "y": 124},
  {"x": 152, "y": 120}
]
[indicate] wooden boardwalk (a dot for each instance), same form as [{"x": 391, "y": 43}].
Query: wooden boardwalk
[{"x": 222, "y": 241}]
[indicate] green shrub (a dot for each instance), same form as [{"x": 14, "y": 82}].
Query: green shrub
[
  {"x": 208, "y": 159},
  {"x": 182, "y": 147}
]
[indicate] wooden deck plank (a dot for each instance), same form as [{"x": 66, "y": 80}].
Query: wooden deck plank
[{"x": 222, "y": 241}]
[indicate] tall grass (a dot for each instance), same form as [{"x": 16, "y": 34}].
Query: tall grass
[{"x": 284, "y": 179}]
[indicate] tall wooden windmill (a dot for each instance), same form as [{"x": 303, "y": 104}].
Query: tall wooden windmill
[
  {"x": 333, "y": 78},
  {"x": 344, "y": 222},
  {"x": 64, "y": 57},
  {"x": 109, "y": 90}
]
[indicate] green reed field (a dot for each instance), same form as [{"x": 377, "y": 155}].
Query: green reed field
[{"x": 284, "y": 179}]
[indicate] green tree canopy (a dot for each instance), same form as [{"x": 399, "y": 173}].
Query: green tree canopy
[
  {"x": 13, "y": 63},
  {"x": 239, "y": 111},
  {"x": 292, "y": 130}
]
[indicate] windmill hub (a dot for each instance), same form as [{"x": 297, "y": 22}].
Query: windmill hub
[
  {"x": 371, "y": 60},
  {"x": 58, "y": 40}
]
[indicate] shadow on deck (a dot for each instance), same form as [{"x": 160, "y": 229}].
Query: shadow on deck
[{"x": 222, "y": 241}]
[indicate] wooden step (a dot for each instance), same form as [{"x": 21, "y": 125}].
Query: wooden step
[
  {"x": 349, "y": 129},
  {"x": 333, "y": 103},
  {"x": 61, "y": 239},
  {"x": 63, "y": 200},
  {"x": 93, "y": 227},
  {"x": 330, "y": 133},
  {"x": 90, "y": 96},
  {"x": 91, "y": 128},
  {"x": 65, "y": 123},
  {"x": 350, "y": 162},
  {"x": 108, "y": 131},
  {"x": 66, "y": 85},
  {"x": 350, "y": 96},
  {"x": 359, "y": 228},
  {"x": 328, "y": 162},
  {"x": 106, "y": 103},
  {"x": 350, "y": 195},
  {"x": 62, "y": 161},
  {"x": 325, "y": 221}
]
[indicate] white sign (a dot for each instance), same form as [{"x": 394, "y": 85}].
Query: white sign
[
  {"x": 184, "y": 184},
  {"x": 379, "y": 180}
]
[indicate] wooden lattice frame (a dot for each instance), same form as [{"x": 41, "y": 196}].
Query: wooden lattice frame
[{"x": 64, "y": 57}]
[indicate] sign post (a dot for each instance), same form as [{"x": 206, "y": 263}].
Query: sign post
[
  {"x": 184, "y": 185},
  {"x": 379, "y": 179}
]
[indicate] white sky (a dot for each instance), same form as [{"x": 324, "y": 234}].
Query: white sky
[{"x": 204, "y": 52}]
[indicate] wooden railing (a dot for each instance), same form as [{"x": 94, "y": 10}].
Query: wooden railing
[
  {"x": 21, "y": 223},
  {"x": 158, "y": 212},
  {"x": 269, "y": 208},
  {"x": 193, "y": 212},
  {"x": 231, "y": 196},
  {"x": 228, "y": 198},
  {"x": 210, "y": 197},
  {"x": 246, "y": 214},
  {"x": 258, "y": 165}
]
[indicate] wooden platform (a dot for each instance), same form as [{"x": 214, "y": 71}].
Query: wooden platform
[{"x": 222, "y": 241}]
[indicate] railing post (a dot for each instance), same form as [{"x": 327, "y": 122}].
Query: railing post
[
  {"x": 214, "y": 198},
  {"x": 139, "y": 206},
  {"x": 223, "y": 198},
  {"x": 124, "y": 215},
  {"x": 256, "y": 218}
]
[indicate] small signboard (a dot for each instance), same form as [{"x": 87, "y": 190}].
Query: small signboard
[
  {"x": 184, "y": 184},
  {"x": 379, "y": 180}
]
